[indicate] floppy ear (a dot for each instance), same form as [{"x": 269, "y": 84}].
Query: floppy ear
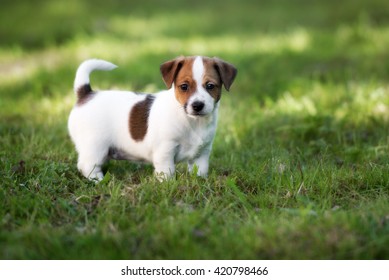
[
  {"x": 169, "y": 70},
  {"x": 227, "y": 72}
]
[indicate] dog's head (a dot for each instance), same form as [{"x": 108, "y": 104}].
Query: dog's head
[{"x": 198, "y": 82}]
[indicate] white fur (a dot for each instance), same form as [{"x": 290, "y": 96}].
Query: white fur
[
  {"x": 84, "y": 70},
  {"x": 172, "y": 136},
  {"x": 201, "y": 94}
]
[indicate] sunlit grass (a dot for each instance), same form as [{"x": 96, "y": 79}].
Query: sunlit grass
[
  {"x": 18, "y": 66},
  {"x": 356, "y": 101}
]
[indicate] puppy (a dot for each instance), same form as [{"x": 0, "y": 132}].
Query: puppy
[{"x": 165, "y": 128}]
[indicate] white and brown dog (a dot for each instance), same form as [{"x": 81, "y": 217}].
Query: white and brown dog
[{"x": 165, "y": 128}]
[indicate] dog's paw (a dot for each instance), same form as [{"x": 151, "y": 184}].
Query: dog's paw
[
  {"x": 162, "y": 176},
  {"x": 96, "y": 177}
]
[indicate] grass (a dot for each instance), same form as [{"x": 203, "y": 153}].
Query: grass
[{"x": 300, "y": 163}]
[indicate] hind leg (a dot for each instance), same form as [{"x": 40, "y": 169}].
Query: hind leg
[{"x": 90, "y": 162}]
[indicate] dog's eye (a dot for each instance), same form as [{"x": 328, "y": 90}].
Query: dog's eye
[
  {"x": 184, "y": 87},
  {"x": 209, "y": 86}
]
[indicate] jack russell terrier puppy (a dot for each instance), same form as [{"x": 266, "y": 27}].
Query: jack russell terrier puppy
[{"x": 165, "y": 128}]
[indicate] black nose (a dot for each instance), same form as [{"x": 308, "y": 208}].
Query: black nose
[{"x": 198, "y": 106}]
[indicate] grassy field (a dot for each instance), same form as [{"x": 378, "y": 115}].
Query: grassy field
[{"x": 300, "y": 165}]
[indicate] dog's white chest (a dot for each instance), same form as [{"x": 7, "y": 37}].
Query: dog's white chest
[{"x": 193, "y": 143}]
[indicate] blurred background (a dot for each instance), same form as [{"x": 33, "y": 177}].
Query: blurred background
[
  {"x": 300, "y": 56},
  {"x": 41, "y": 23},
  {"x": 330, "y": 39}
]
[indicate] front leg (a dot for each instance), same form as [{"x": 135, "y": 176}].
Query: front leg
[
  {"x": 163, "y": 171},
  {"x": 163, "y": 162},
  {"x": 202, "y": 163}
]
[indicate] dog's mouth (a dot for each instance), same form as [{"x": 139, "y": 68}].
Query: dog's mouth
[{"x": 194, "y": 114}]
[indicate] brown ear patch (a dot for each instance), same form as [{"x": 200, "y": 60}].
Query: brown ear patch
[
  {"x": 139, "y": 116},
  {"x": 211, "y": 75},
  {"x": 185, "y": 76},
  {"x": 226, "y": 71},
  {"x": 84, "y": 94},
  {"x": 170, "y": 69}
]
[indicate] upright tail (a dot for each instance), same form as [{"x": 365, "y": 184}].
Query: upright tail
[{"x": 81, "y": 83}]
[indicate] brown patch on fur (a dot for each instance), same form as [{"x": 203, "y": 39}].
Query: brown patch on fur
[
  {"x": 170, "y": 69},
  {"x": 84, "y": 94},
  {"x": 211, "y": 75},
  {"x": 185, "y": 76},
  {"x": 179, "y": 72},
  {"x": 226, "y": 71},
  {"x": 139, "y": 115}
]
